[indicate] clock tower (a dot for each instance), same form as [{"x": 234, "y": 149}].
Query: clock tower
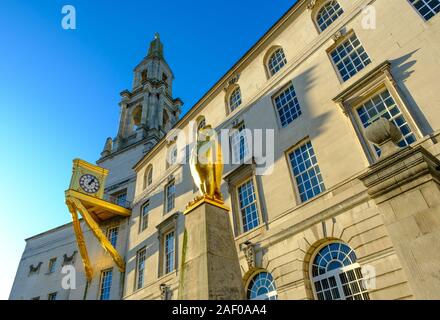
[{"x": 147, "y": 111}]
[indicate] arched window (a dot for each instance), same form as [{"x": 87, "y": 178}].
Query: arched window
[
  {"x": 276, "y": 61},
  {"x": 235, "y": 99},
  {"x": 148, "y": 176},
  {"x": 328, "y": 14},
  {"x": 136, "y": 117},
  {"x": 336, "y": 275},
  {"x": 262, "y": 287}
]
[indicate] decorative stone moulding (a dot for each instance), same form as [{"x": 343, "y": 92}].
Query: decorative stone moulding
[{"x": 385, "y": 135}]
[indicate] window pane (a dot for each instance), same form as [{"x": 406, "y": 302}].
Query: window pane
[
  {"x": 306, "y": 171},
  {"x": 276, "y": 61},
  {"x": 169, "y": 252},
  {"x": 287, "y": 106},
  {"x": 112, "y": 235},
  {"x": 170, "y": 195},
  {"x": 106, "y": 283},
  {"x": 141, "y": 256},
  {"x": 235, "y": 99},
  {"x": 427, "y": 8},
  {"x": 384, "y": 106},
  {"x": 345, "y": 280},
  {"x": 262, "y": 287},
  {"x": 248, "y": 205},
  {"x": 350, "y": 58},
  {"x": 144, "y": 215},
  {"x": 328, "y": 14},
  {"x": 239, "y": 145}
]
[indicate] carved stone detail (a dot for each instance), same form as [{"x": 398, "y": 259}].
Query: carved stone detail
[
  {"x": 165, "y": 292},
  {"x": 69, "y": 259},
  {"x": 385, "y": 135},
  {"x": 249, "y": 253},
  {"x": 311, "y": 5},
  {"x": 232, "y": 81},
  {"x": 33, "y": 269}
]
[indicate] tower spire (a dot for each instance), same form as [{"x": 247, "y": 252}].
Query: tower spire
[{"x": 156, "y": 47}]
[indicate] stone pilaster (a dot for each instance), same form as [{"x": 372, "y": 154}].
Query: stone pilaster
[
  {"x": 210, "y": 269},
  {"x": 406, "y": 189}
]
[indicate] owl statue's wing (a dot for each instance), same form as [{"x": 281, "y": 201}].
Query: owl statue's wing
[{"x": 193, "y": 167}]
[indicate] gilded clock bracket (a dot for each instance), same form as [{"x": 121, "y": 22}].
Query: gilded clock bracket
[
  {"x": 85, "y": 196},
  {"x": 80, "y": 239},
  {"x": 75, "y": 206}
]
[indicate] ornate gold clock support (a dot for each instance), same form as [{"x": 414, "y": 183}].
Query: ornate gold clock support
[{"x": 93, "y": 209}]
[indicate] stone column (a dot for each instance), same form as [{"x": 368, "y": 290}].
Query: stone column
[
  {"x": 144, "y": 118},
  {"x": 405, "y": 184},
  {"x": 210, "y": 269}
]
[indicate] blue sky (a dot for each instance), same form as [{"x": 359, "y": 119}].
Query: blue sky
[{"x": 59, "y": 89}]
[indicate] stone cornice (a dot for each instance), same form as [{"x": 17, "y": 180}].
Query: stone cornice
[
  {"x": 409, "y": 167},
  {"x": 383, "y": 69}
]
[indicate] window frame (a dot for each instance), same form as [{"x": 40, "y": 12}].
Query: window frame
[
  {"x": 166, "y": 203},
  {"x": 296, "y": 190},
  {"x": 339, "y": 42},
  {"x": 358, "y": 121},
  {"x": 319, "y": 9},
  {"x": 108, "y": 234},
  {"x": 231, "y": 92},
  {"x": 51, "y": 265},
  {"x": 330, "y": 273},
  {"x": 164, "y": 228},
  {"x": 101, "y": 282},
  {"x": 235, "y": 130},
  {"x": 282, "y": 90},
  {"x": 236, "y": 178},
  {"x": 115, "y": 197},
  {"x": 269, "y": 54},
  {"x": 148, "y": 177},
  {"x": 142, "y": 251},
  {"x": 420, "y": 14},
  {"x": 250, "y": 280},
  {"x": 142, "y": 215},
  {"x": 165, "y": 254},
  {"x": 374, "y": 82}
]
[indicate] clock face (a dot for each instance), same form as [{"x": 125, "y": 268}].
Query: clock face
[{"x": 89, "y": 183}]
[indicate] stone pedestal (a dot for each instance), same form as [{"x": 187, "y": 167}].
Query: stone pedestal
[
  {"x": 210, "y": 268},
  {"x": 406, "y": 189}
]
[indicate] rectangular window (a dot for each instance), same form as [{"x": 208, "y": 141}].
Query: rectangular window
[
  {"x": 169, "y": 252},
  {"x": 170, "y": 192},
  {"x": 287, "y": 106},
  {"x": 306, "y": 172},
  {"x": 52, "y": 296},
  {"x": 427, "y": 8},
  {"x": 106, "y": 284},
  {"x": 350, "y": 57},
  {"x": 112, "y": 235},
  {"x": 384, "y": 106},
  {"x": 51, "y": 267},
  {"x": 248, "y": 205},
  {"x": 121, "y": 199},
  {"x": 145, "y": 210},
  {"x": 239, "y": 145},
  {"x": 140, "y": 267}
]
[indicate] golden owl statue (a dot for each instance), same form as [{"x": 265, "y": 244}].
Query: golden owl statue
[{"x": 206, "y": 164}]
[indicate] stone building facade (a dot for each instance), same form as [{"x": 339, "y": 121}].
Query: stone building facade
[{"x": 336, "y": 216}]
